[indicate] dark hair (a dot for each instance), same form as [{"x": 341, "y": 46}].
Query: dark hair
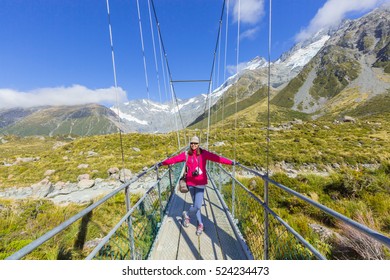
[{"x": 198, "y": 151}]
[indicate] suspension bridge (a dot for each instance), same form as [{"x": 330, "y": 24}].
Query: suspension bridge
[{"x": 239, "y": 222}]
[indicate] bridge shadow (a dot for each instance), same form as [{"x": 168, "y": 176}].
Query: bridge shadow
[{"x": 217, "y": 242}]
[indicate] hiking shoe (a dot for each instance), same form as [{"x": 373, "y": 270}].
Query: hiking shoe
[
  {"x": 185, "y": 219},
  {"x": 199, "y": 230}
]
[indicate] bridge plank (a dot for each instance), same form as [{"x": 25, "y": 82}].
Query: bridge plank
[
  {"x": 167, "y": 242},
  {"x": 210, "y": 247},
  {"x": 217, "y": 242},
  {"x": 189, "y": 241},
  {"x": 231, "y": 248}
]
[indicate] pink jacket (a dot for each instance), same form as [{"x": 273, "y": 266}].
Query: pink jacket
[{"x": 192, "y": 164}]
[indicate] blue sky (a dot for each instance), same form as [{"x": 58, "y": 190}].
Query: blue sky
[{"x": 59, "y": 53}]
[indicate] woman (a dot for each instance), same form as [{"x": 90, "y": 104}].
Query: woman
[{"x": 196, "y": 177}]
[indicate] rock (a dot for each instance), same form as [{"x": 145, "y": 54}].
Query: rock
[
  {"x": 324, "y": 232},
  {"x": 253, "y": 184},
  {"x": 125, "y": 175},
  {"x": 348, "y": 119},
  {"x": 63, "y": 193},
  {"x": 83, "y": 165},
  {"x": 42, "y": 189},
  {"x": 49, "y": 172},
  {"x": 113, "y": 170},
  {"x": 92, "y": 243},
  {"x": 336, "y": 165},
  {"x": 83, "y": 177},
  {"x": 58, "y": 145},
  {"x": 61, "y": 188},
  {"x": 92, "y": 154},
  {"x": 218, "y": 144},
  {"x": 136, "y": 149},
  {"x": 28, "y": 159},
  {"x": 59, "y": 185},
  {"x": 86, "y": 184}
]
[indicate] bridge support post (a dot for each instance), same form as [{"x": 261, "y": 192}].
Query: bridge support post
[
  {"x": 220, "y": 180},
  {"x": 233, "y": 189},
  {"x": 159, "y": 195},
  {"x": 266, "y": 221},
  {"x": 170, "y": 178},
  {"x": 129, "y": 224}
]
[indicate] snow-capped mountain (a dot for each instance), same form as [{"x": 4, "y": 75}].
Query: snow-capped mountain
[
  {"x": 333, "y": 72},
  {"x": 149, "y": 116}
]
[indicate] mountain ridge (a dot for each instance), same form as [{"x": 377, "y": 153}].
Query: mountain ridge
[{"x": 328, "y": 75}]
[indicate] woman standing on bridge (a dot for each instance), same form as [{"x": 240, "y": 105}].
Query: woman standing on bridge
[{"x": 196, "y": 177}]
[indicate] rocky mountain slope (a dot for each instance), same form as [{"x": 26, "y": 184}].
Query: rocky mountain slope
[
  {"x": 148, "y": 116},
  {"x": 351, "y": 68},
  {"x": 88, "y": 119},
  {"x": 344, "y": 70}
]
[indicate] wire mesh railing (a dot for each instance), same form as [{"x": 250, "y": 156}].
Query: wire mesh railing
[
  {"x": 133, "y": 236},
  {"x": 267, "y": 235},
  {"x": 120, "y": 225},
  {"x": 117, "y": 227}
]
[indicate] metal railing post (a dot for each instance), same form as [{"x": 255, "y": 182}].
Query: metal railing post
[
  {"x": 159, "y": 195},
  {"x": 130, "y": 224},
  {"x": 170, "y": 178},
  {"x": 266, "y": 221},
  {"x": 233, "y": 189},
  {"x": 220, "y": 180}
]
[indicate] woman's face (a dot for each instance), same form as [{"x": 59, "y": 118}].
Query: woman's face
[{"x": 194, "y": 146}]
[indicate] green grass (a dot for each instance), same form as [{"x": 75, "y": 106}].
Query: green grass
[
  {"x": 25, "y": 220},
  {"x": 349, "y": 192},
  {"x": 66, "y": 159},
  {"x": 350, "y": 188}
]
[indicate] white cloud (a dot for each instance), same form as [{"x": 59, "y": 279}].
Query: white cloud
[
  {"x": 333, "y": 12},
  {"x": 251, "y": 11},
  {"x": 74, "y": 95},
  {"x": 249, "y": 34},
  {"x": 233, "y": 69}
]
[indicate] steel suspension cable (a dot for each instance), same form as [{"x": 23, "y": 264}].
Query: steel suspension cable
[
  {"x": 143, "y": 50},
  {"x": 269, "y": 84},
  {"x": 165, "y": 80},
  {"x": 217, "y": 81},
  {"x": 116, "y": 86},
  {"x": 163, "y": 70},
  {"x": 154, "y": 52},
  {"x": 144, "y": 60},
  {"x": 225, "y": 59},
  {"x": 237, "y": 63},
  {"x": 174, "y": 98},
  {"x": 266, "y": 189},
  {"x": 213, "y": 69}
]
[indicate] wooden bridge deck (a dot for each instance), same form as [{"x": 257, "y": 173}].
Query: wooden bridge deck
[{"x": 218, "y": 241}]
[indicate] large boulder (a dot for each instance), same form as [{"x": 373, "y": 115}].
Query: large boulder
[
  {"x": 42, "y": 189},
  {"x": 125, "y": 175},
  {"x": 85, "y": 184}
]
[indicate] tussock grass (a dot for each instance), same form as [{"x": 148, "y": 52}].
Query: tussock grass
[{"x": 343, "y": 150}]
